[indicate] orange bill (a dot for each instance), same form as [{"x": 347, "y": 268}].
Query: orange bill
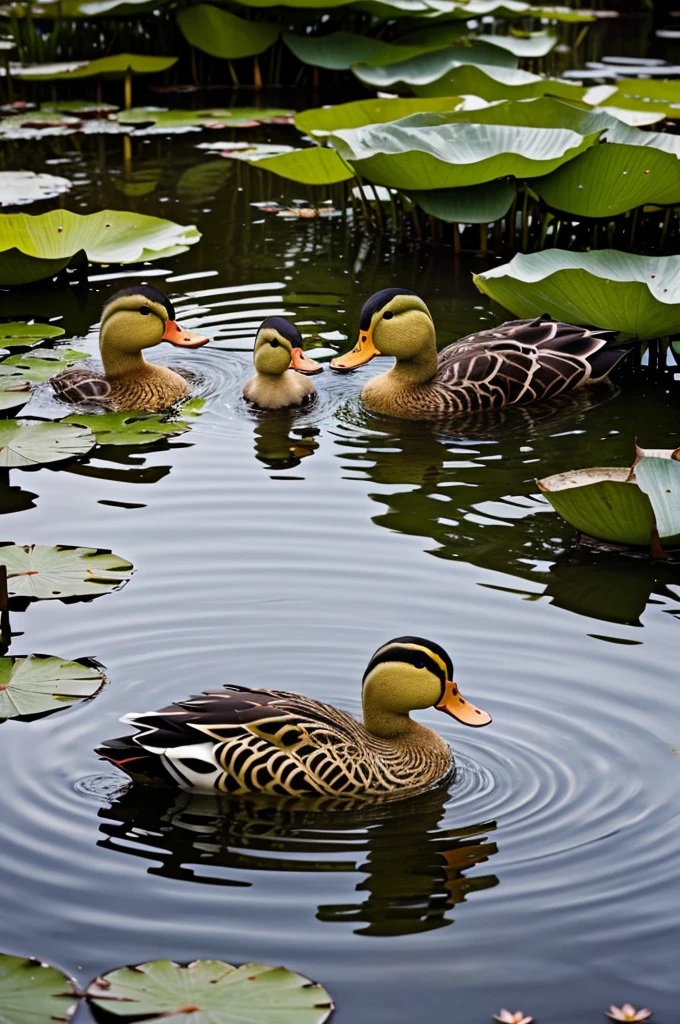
[
  {"x": 185, "y": 339},
  {"x": 300, "y": 362},
  {"x": 363, "y": 352},
  {"x": 456, "y": 706}
]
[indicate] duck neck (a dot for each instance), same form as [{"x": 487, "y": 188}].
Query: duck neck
[
  {"x": 421, "y": 366},
  {"x": 389, "y": 725},
  {"x": 118, "y": 363}
]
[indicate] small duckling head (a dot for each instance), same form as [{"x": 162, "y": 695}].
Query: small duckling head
[
  {"x": 409, "y": 673},
  {"x": 142, "y": 317},
  {"x": 393, "y": 322},
  {"x": 278, "y": 347}
]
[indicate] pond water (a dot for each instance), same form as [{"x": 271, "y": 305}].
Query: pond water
[{"x": 271, "y": 554}]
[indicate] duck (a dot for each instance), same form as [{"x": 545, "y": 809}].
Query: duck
[
  {"x": 515, "y": 363},
  {"x": 133, "y": 319},
  {"x": 278, "y": 353},
  {"x": 238, "y": 740}
]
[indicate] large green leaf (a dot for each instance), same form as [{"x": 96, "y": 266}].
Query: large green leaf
[
  {"x": 19, "y": 334},
  {"x": 35, "y": 247},
  {"x": 115, "y": 66},
  {"x": 476, "y": 204},
  {"x": 542, "y": 112},
  {"x": 34, "y": 993},
  {"x": 222, "y": 34},
  {"x": 38, "y": 685},
  {"x": 530, "y": 47},
  {"x": 658, "y": 475},
  {"x": 428, "y": 151},
  {"x": 361, "y": 112},
  {"x": 638, "y": 295},
  {"x": 136, "y": 428},
  {"x": 313, "y": 166},
  {"x": 17, "y": 188},
  {"x": 217, "y": 993},
  {"x": 14, "y": 393},
  {"x": 27, "y": 443},
  {"x": 38, "y": 365},
  {"x": 40, "y": 572},
  {"x": 338, "y": 51}
]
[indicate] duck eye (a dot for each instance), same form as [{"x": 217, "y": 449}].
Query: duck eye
[
  {"x": 274, "y": 344},
  {"x": 388, "y": 315},
  {"x": 419, "y": 662},
  {"x": 144, "y": 310}
]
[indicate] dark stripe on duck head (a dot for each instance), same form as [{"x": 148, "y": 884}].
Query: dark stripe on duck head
[
  {"x": 400, "y": 649},
  {"x": 284, "y": 328},
  {"x": 149, "y": 293},
  {"x": 377, "y": 302}
]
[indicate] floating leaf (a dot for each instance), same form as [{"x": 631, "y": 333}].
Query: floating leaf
[
  {"x": 476, "y": 204},
  {"x": 222, "y": 34},
  {"x": 39, "y": 572},
  {"x": 116, "y": 66},
  {"x": 129, "y": 428},
  {"x": 39, "y": 364},
  {"x": 34, "y": 993},
  {"x": 158, "y": 120},
  {"x": 338, "y": 51},
  {"x": 313, "y": 166},
  {"x": 17, "y": 188},
  {"x": 27, "y": 443},
  {"x": 14, "y": 393},
  {"x": 602, "y": 502},
  {"x": 531, "y": 47},
  {"x": 38, "y": 685},
  {"x": 18, "y": 334},
  {"x": 659, "y": 478},
  {"x": 362, "y": 112},
  {"x": 217, "y": 993},
  {"x": 638, "y": 295},
  {"x": 35, "y": 247}
]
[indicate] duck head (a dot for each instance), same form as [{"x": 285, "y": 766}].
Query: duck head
[
  {"x": 138, "y": 318},
  {"x": 278, "y": 347},
  {"x": 410, "y": 673},
  {"x": 393, "y": 322}
]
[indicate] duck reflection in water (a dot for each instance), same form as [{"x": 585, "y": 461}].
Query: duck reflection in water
[
  {"x": 280, "y": 444},
  {"x": 411, "y": 868}
]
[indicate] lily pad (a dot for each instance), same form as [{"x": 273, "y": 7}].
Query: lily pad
[
  {"x": 40, "y": 684},
  {"x": 130, "y": 428},
  {"x": 34, "y": 993},
  {"x": 476, "y": 204},
  {"x": 35, "y": 247},
  {"x": 363, "y": 112},
  {"x": 531, "y": 47},
  {"x": 14, "y": 394},
  {"x": 39, "y": 572},
  {"x": 222, "y": 34},
  {"x": 159, "y": 121},
  {"x": 18, "y": 188},
  {"x": 30, "y": 443},
  {"x": 603, "y": 502},
  {"x": 658, "y": 475},
  {"x": 313, "y": 166},
  {"x": 217, "y": 993},
  {"x": 19, "y": 334},
  {"x": 638, "y": 295},
  {"x": 38, "y": 365},
  {"x": 116, "y": 66}
]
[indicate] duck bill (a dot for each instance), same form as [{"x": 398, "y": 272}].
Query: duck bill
[
  {"x": 363, "y": 352},
  {"x": 300, "y": 362},
  {"x": 184, "y": 339},
  {"x": 455, "y": 705}
]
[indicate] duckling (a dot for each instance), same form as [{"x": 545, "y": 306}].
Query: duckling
[
  {"x": 132, "y": 320},
  {"x": 278, "y": 348},
  {"x": 518, "y": 362},
  {"x": 238, "y": 740}
]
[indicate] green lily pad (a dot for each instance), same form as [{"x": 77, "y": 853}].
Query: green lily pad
[
  {"x": 39, "y": 364},
  {"x": 363, "y": 112},
  {"x": 130, "y": 428},
  {"x": 35, "y": 247},
  {"x": 28, "y": 443},
  {"x": 17, "y": 188},
  {"x": 531, "y": 47},
  {"x": 476, "y": 204},
  {"x": 217, "y": 993},
  {"x": 14, "y": 394},
  {"x": 222, "y": 34},
  {"x": 638, "y": 295},
  {"x": 313, "y": 166},
  {"x": 158, "y": 121},
  {"x": 39, "y": 572},
  {"x": 40, "y": 684},
  {"x": 34, "y": 993},
  {"x": 19, "y": 334},
  {"x": 116, "y": 66}
]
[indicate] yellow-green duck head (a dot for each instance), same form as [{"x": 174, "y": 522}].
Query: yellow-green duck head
[
  {"x": 409, "y": 673},
  {"x": 141, "y": 317},
  {"x": 393, "y": 322},
  {"x": 278, "y": 347}
]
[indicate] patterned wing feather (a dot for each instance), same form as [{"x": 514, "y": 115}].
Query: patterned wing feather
[{"x": 80, "y": 386}]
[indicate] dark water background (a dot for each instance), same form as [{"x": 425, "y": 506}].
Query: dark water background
[{"x": 546, "y": 875}]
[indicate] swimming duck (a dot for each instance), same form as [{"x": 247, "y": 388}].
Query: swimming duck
[
  {"x": 278, "y": 352},
  {"x": 132, "y": 320},
  {"x": 517, "y": 362},
  {"x": 238, "y": 740}
]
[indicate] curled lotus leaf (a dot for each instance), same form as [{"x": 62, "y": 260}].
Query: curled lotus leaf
[
  {"x": 476, "y": 204},
  {"x": 362, "y": 112},
  {"x": 40, "y": 684},
  {"x": 223, "y": 34},
  {"x": 658, "y": 475},
  {"x": 637, "y": 295},
  {"x": 531, "y": 47},
  {"x": 313, "y": 166},
  {"x": 18, "y": 188},
  {"x": 603, "y": 502},
  {"x": 340, "y": 50},
  {"x": 116, "y": 65},
  {"x": 39, "y": 572},
  {"x": 217, "y": 992},
  {"x": 29, "y": 443},
  {"x": 32, "y": 992},
  {"x": 35, "y": 247}
]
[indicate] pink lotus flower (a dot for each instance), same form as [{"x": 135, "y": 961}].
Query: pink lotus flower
[
  {"x": 505, "y": 1017},
  {"x": 627, "y": 1012}
]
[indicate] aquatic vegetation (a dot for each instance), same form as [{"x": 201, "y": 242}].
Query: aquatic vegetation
[
  {"x": 24, "y": 336},
  {"x": 215, "y": 990},
  {"x": 158, "y": 120},
  {"x": 312, "y": 166},
  {"x": 30, "y": 443},
  {"x": 38, "y": 572},
  {"x": 359, "y": 113},
  {"x": 17, "y": 188},
  {"x": 637, "y": 295},
  {"x": 36, "y": 247},
  {"x": 136, "y": 428},
  {"x": 223, "y": 34},
  {"x": 37, "y": 685},
  {"x": 38, "y": 365},
  {"x": 32, "y": 991},
  {"x": 14, "y": 393}
]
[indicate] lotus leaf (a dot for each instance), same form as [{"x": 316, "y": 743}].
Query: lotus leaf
[
  {"x": 22, "y": 335},
  {"x": 161, "y": 120},
  {"x": 602, "y": 502},
  {"x": 34, "y": 993},
  {"x": 38, "y": 685},
  {"x": 338, "y": 51},
  {"x": 313, "y": 166},
  {"x": 476, "y": 204},
  {"x": 35, "y": 247},
  {"x": 20, "y": 187},
  {"x": 81, "y": 108},
  {"x": 363, "y": 112},
  {"x": 118, "y": 65},
  {"x": 38, "y": 365},
  {"x": 638, "y": 295},
  {"x": 542, "y": 112},
  {"x": 222, "y": 34},
  {"x": 531, "y": 47},
  {"x": 29, "y": 443},
  {"x": 39, "y": 572},
  {"x": 658, "y": 475},
  {"x": 130, "y": 428},
  {"x": 644, "y": 94},
  {"x": 217, "y": 992},
  {"x": 414, "y": 154}
]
